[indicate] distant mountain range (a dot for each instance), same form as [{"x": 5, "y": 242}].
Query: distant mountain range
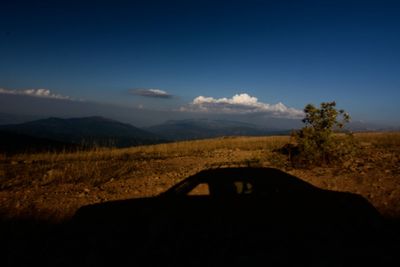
[
  {"x": 208, "y": 128},
  {"x": 7, "y": 118},
  {"x": 73, "y": 133},
  {"x": 85, "y": 132},
  {"x": 88, "y": 132},
  {"x": 360, "y": 126}
]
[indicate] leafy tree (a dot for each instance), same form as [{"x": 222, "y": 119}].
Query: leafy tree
[{"x": 316, "y": 143}]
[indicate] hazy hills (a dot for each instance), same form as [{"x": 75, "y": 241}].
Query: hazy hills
[
  {"x": 86, "y": 132},
  {"x": 8, "y": 118},
  {"x": 207, "y": 128},
  {"x": 67, "y": 134}
]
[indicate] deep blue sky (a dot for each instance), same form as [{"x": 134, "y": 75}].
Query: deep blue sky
[{"x": 294, "y": 52}]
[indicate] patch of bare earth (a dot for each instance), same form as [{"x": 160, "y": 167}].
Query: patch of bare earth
[{"x": 50, "y": 187}]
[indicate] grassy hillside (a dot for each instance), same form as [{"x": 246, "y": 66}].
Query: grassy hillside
[
  {"x": 12, "y": 143},
  {"x": 54, "y": 185}
]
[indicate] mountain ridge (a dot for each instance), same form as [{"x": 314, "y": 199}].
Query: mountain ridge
[
  {"x": 56, "y": 133},
  {"x": 86, "y": 131},
  {"x": 189, "y": 129}
]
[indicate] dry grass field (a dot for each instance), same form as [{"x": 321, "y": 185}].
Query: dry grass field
[{"x": 52, "y": 186}]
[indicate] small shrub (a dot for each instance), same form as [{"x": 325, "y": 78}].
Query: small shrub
[{"x": 316, "y": 143}]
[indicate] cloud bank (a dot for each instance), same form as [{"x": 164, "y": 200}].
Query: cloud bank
[
  {"x": 241, "y": 104},
  {"x": 156, "y": 93},
  {"x": 43, "y": 93}
]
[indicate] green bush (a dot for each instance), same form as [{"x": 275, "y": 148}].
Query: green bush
[{"x": 318, "y": 142}]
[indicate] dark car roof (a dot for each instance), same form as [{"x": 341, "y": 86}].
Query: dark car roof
[{"x": 261, "y": 178}]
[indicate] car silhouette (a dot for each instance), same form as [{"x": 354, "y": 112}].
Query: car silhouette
[{"x": 234, "y": 216}]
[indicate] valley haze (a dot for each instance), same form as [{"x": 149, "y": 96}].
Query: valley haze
[{"x": 21, "y": 108}]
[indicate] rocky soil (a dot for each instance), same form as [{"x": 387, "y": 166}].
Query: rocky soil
[{"x": 32, "y": 188}]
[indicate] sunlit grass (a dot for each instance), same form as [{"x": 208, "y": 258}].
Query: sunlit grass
[
  {"x": 102, "y": 164},
  {"x": 183, "y": 148},
  {"x": 148, "y": 170}
]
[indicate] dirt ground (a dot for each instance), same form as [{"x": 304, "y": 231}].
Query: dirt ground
[{"x": 376, "y": 176}]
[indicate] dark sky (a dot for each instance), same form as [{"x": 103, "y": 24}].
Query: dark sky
[{"x": 271, "y": 57}]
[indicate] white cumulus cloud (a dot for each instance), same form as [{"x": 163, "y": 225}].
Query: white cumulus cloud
[
  {"x": 241, "y": 104},
  {"x": 44, "y": 93}
]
